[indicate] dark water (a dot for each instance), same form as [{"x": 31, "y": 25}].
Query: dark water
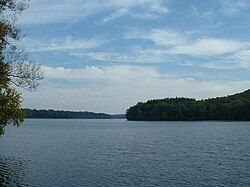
[{"x": 121, "y": 153}]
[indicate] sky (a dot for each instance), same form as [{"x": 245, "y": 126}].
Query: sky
[{"x": 107, "y": 55}]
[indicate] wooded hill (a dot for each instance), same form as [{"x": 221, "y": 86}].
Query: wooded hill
[{"x": 233, "y": 107}]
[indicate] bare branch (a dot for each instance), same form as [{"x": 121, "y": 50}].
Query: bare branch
[{"x": 26, "y": 75}]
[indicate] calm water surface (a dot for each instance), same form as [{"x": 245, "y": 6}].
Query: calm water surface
[{"x": 122, "y": 153}]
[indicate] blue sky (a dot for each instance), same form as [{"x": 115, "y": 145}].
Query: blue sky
[{"x": 106, "y": 55}]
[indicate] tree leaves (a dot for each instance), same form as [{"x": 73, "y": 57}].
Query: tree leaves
[{"x": 15, "y": 68}]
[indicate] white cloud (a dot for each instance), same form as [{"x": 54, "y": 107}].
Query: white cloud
[
  {"x": 93, "y": 73},
  {"x": 242, "y": 58},
  {"x": 67, "y": 43},
  {"x": 177, "y": 43},
  {"x": 117, "y": 14},
  {"x": 213, "y": 53},
  {"x": 146, "y": 15},
  {"x": 208, "y": 47},
  {"x": 232, "y": 7},
  {"x": 137, "y": 56},
  {"x": 223, "y": 65},
  {"x": 113, "y": 89},
  {"x": 161, "y": 37},
  {"x": 203, "y": 14},
  {"x": 45, "y": 11},
  {"x": 156, "y": 6}
]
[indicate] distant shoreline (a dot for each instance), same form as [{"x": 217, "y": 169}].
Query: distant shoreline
[
  {"x": 144, "y": 120},
  {"x": 76, "y": 118},
  {"x": 60, "y": 114}
]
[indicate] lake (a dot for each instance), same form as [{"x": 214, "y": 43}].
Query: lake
[{"x": 123, "y": 153}]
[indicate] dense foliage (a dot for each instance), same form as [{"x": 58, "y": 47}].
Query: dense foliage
[
  {"x": 234, "y": 107},
  {"x": 15, "y": 69},
  {"x": 68, "y": 114}
]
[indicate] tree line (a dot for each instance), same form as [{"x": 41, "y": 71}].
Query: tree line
[
  {"x": 59, "y": 114},
  {"x": 234, "y": 107}
]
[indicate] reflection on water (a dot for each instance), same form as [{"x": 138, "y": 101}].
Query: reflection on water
[{"x": 11, "y": 172}]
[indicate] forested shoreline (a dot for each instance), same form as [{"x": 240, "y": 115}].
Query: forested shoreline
[
  {"x": 59, "y": 114},
  {"x": 233, "y": 107}
]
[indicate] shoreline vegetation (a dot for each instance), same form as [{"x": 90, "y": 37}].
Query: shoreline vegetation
[
  {"x": 59, "y": 114},
  {"x": 230, "y": 108}
]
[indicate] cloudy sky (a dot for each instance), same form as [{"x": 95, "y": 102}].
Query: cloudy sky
[{"x": 106, "y": 55}]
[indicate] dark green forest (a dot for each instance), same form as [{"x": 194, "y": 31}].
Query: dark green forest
[
  {"x": 57, "y": 114},
  {"x": 233, "y": 107}
]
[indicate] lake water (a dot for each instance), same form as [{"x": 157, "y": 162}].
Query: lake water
[{"x": 121, "y": 153}]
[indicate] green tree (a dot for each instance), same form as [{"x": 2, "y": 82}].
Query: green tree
[{"x": 15, "y": 68}]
